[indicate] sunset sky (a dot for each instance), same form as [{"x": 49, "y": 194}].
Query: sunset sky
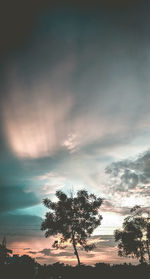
[{"x": 74, "y": 114}]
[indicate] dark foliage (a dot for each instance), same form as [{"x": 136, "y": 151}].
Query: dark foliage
[
  {"x": 134, "y": 238},
  {"x": 61, "y": 271},
  {"x": 4, "y": 253}
]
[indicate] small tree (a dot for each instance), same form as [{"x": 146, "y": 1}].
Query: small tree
[
  {"x": 74, "y": 218},
  {"x": 4, "y": 253},
  {"x": 134, "y": 238}
]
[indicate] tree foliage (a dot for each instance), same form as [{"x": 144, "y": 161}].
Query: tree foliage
[
  {"x": 134, "y": 238},
  {"x": 4, "y": 253},
  {"x": 74, "y": 218}
]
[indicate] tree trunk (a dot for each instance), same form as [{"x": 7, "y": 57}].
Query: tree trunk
[
  {"x": 75, "y": 249},
  {"x": 141, "y": 254},
  {"x": 148, "y": 250}
]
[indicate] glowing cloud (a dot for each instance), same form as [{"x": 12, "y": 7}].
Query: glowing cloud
[{"x": 35, "y": 126}]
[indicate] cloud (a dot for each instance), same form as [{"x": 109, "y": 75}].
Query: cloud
[
  {"x": 65, "y": 254},
  {"x": 14, "y": 197},
  {"x": 131, "y": 178},
  {"x": 41, "y": 131},
  {"x": 51, "y": 182},
  {"x": 110, "y": 206},
  {"x": 26, "y": 249},
  {"x": 21, "y": 29},
  {"x": 46, "y": 252},
  {"x": 52, "y": 253},
  {"x": 132, "y": 172},
  {"x": 105, "y": 241},
  {"x": 40, "y": 258},
  {"x": 32, "y": 252},
  {"x": 20, "y": 225},
  {"x": 76, "y": 98}
]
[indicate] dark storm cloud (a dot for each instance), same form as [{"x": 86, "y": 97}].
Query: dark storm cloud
[
  {"x": 132, "y": 174},
  {"x": 14, "y": 197},
  {"x": 19, "y": 172},
  {"x": 18, "y": 180},
  {"x": 18, "y": 19}
]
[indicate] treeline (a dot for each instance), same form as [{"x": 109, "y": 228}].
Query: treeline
[
  {"x": 58, "y": 270},
  {"x": 100, "y": 270}
]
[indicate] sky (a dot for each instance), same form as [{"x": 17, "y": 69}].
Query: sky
[{"x": 74, "y": 114}]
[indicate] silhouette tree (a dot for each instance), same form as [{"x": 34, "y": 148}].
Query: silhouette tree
[
  {"x": 134, "y": 238},
  {"x": 74, "y": 218},
  {"x": 4, "y": 253}
]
